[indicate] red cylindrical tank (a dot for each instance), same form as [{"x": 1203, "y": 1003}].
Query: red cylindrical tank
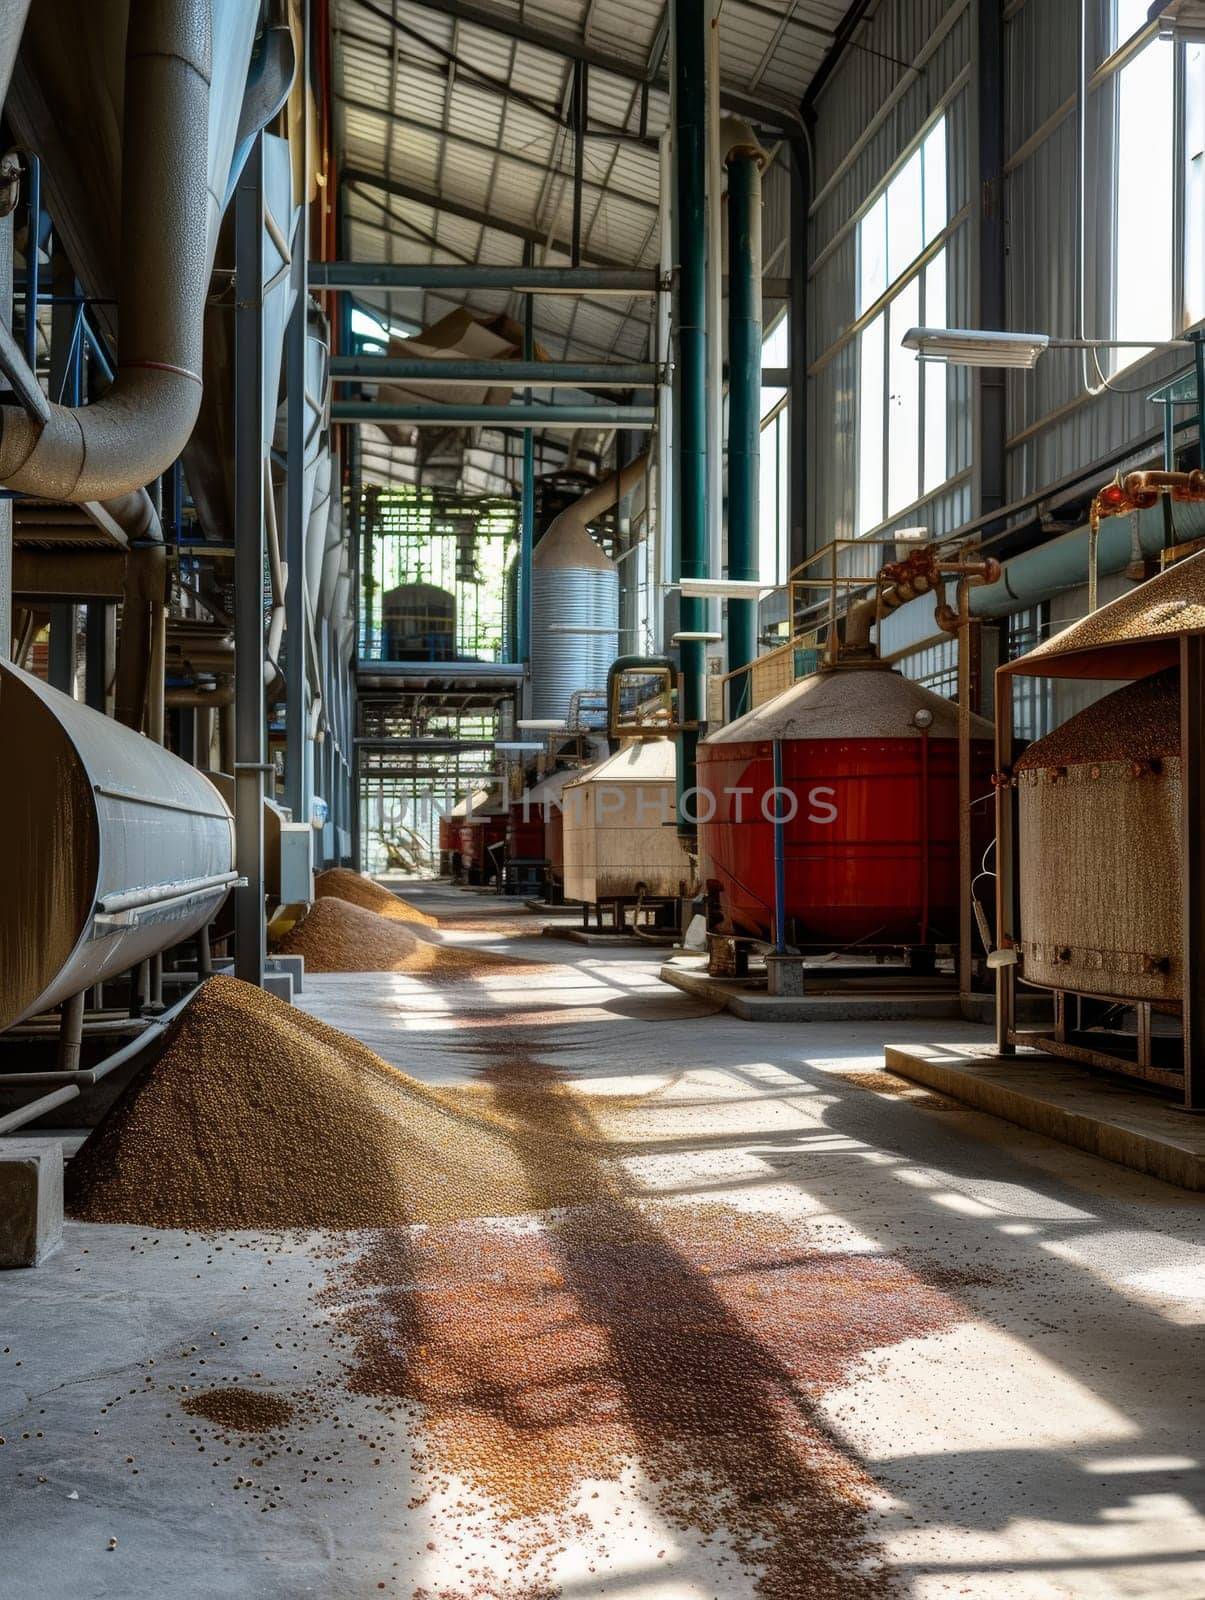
[
  {"x": 870, "y": 770},
  {"x": 477, "y": 834},
  {"x": 525, "y": 830}
]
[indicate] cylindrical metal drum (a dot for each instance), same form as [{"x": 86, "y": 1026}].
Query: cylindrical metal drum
[
  {"x": 114, "y": 849},
  {"x": 1099, "y": 803},
  {"x": 574, "y": 585},
  {"x": 870, "y": 806}
]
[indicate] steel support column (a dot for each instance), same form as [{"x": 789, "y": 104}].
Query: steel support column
[
  {"x": 689, "y": 23},
  {"x": 797, "y": 382},
  {"x": 989, "y": 385},
  {"x": 744, "y": 410},
  {"x": 249, "y": 739},
  {"x": 296, "y": 644}
]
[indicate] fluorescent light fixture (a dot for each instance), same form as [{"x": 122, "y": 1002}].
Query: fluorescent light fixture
[
  {"x": 517, "y": 744},
  {"x": 538, "y": 725},
  {"x": 977, "y": 347},
  {"x": 1182, "y": 20},
  {"x": 722, "y": 588},
  {"x": 697, "y": 638}
]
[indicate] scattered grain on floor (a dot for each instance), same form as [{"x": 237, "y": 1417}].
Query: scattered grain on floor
[{"x": 243, "y": 1410}]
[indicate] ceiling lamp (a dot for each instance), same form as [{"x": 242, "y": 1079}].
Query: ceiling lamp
[{"x": 977, "y": 347}]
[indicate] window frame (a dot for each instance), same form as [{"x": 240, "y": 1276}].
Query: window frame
[{"x": 883, "y": 297}]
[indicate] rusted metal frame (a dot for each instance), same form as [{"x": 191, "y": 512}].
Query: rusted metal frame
[
  {"x": 1192, "y": 824},
  {"x": 1103, "y": 1059},
  {"x": 1007, "y": 910}
]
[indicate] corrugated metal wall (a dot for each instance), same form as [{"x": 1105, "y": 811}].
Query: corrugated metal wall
[{"x": 870, "y": 114}]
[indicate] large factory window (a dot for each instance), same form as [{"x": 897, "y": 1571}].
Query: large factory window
[
  {"x": 902, "y": 430},
  {"x": 1144, "y": 273},
  {"x": 775, "y": 469}
]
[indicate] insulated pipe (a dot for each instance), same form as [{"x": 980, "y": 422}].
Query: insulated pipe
[
  {"x": 744, "y": 159},
  {"x": 1062, "y": 564},
  {"x": 690, "y": 414},
  {"x": 121, "y": 442}
]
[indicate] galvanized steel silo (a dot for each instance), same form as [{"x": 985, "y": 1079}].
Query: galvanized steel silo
[{"x": 575, "y": 585}]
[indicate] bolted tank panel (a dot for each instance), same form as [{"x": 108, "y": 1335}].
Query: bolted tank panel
[
  {"x": 871, "y": 840},
  {"x": 418, "y": 623},
  {"x": 573, "y": 585},
  {"x": 1099, "y": 803}
]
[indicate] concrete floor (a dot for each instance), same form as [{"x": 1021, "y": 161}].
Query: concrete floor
[{"x": 1047, "y": 1444}]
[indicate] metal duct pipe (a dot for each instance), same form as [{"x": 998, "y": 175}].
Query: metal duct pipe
[
  {"x": 690, "y": 413},
  {"x": 744, "y": 159},
  {"x": 1062, "y": 564},
  {"x": 129, "y": 437}
]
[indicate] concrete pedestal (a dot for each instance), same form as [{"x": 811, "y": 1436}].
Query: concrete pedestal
[{"x": 31, "y": 1201}]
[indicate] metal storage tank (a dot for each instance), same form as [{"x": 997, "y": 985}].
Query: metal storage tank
[
  {"x": 449, "y": 830},
  {"x": 574, "y": 584},
  {"x": 418, "y": 623},
  {"x": 1098, "y": 811},
  {"x": 871, "y": 759},
  {"x": 114, "y": 849},
  {"x": 618, "y": 826},
  {"x": 534, "y": 831},
  {"x": 478, "y": 834}
]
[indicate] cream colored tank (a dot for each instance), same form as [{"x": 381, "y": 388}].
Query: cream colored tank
[
  {"x": 1099, "y": 848},
  {"x": 619, "y": 827}
]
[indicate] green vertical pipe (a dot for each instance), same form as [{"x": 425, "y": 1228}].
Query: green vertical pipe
[
  {"x": 527, "y": 506},
  {"x": 744, "y": 409},
  {"x": 690, "y": 409}
]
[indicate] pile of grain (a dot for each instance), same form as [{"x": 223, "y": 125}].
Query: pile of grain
[
  {"x": 335, "y": 936},
  {"x": 255, "y": 1115},
  {"x": 243, "y": 1410},
  {"x": 340, "y": 884}
]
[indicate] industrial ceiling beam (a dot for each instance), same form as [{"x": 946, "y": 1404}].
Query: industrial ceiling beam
[
  {"x": 520, "y": 158},
  {"x": 343, "y": 275},
  {"x": 487, "y": 416},
  {"x": 514, "y": 26},
  {"x": 540, "y": 374},
  {"x": 469, "y": 213}
]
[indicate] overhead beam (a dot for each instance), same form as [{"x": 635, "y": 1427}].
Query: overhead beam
[
  {"x": 540, "y": 374},
  {"x": 487, "y": 416},
  {"x": 345, "y": 275},
  {"x": 513, "y": 26},
  {"x": 469, "y": 213}
]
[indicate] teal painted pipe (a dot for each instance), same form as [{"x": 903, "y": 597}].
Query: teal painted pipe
[
  {"x": 451, "y": 369},
  {"x": 1062, "y": 564},
  {"x": 744, "y": 407},
  {"x": 423, "y": 414},
  {"x": 690, "y": 402}
]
